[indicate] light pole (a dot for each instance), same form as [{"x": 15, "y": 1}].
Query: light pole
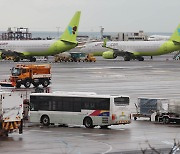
[
  {"x": 101, "y": 31},
  {"x": 15, "y": 28}
]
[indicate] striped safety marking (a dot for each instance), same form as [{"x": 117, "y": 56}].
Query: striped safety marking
[{"x": 11, "y": 125}]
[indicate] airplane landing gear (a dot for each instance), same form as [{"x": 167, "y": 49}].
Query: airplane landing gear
[
  {"x": 140, "y": 58},
  {"x": 16, "y": 59},
  {"x": 32, "y": 59},
  {"x": 127, "y": 58}
]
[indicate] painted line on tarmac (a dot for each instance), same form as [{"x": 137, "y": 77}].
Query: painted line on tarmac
[
  {"x": 86, "y": 133},
  {"x": 167, "y": 142},
  {"x": 110, "y": 148},
  {"x": 131, "y": 67},
  {"x": 98, "y": 135},
  {"x": 93, "y": 134},
  {"x": 43, "y": 131}
]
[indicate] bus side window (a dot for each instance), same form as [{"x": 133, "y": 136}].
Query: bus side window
[
  {"x": 52, "y": 105},
  {"x": 89, "y": 103},
  {"x": 67, "y": 104},
  {"x": 102, "y": 103},
  {"x": 105, "y": 105},
  {"x": 92, "y": 105},
  {"x": 34, "y": 104},
  {"x": 77, "y": 105},
  {"x": 59, "y": 103},
  {"x": 43, "y": 103},
  {"x": 85, "y": 103}
]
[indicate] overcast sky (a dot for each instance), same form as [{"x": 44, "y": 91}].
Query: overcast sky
[{"x": 113, "y": 15}]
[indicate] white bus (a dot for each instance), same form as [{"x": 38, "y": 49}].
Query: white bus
[{"x": 81, "y": 108}]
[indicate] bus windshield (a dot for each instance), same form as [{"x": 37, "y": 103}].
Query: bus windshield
[
  {"x": 121, "y": 101},
  {"x": 16, "y": 71}
]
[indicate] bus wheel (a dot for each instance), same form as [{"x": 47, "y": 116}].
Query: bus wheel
[
  {"x": 88, "y": 123},
  {"x": 45, "y": 120}
]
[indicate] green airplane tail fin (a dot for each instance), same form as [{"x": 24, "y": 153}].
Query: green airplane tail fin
[
  {"x": 104, "y": 42},
  {"x": 176, "y": 35},
  {"x": 70, "y": 33}
]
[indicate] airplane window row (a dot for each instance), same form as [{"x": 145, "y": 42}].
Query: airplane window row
[
  {"x": 139, "y": 47},
  {"x": 37, "y": 46}
]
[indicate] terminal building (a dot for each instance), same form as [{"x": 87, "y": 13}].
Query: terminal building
[{"x": 128, "y": 36}]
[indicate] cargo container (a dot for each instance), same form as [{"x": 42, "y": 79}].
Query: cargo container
[{"x": 147, "y": 106}]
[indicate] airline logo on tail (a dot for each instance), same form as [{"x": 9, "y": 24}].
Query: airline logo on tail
[
  {"x": 72, "y": 30},
  {"x": 178, "y": 31}
]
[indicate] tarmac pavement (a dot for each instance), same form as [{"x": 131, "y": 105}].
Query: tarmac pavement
[{"x": 157, "y": 78}]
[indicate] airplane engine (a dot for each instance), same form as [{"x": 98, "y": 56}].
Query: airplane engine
[
  {"x": 3, "y": 55},
  {"x": 109, "y": 55}
]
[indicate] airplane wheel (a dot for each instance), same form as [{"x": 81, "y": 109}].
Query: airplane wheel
[
  {"x": 16, "y": 59},
  {"x": 32, "y": 59},
  {"x": 140, "y": 58},
  {"x": 127, "y": 58}
]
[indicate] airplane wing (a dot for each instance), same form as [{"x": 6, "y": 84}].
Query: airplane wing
[{"x": 118, "y": 52}]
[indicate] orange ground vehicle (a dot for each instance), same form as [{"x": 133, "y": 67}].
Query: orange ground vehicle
[
  {"x": 90, "y": 58},
  {"x": 30, "y": 74}
]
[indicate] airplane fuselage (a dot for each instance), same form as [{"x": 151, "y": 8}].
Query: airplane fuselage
[
  {"x": 138, "y": 48},
  {"x": 144, "y": 48},
  {"x": 36, "y": 47},
  {"x": 93, "y": 47}
]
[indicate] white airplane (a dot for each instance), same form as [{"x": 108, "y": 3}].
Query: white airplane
[
  {"x": 28, "y": 49},
  {"x": 158, "y": 38},
  {"x": 92, "y": 47},
  {"x": 136, "y": 49}
]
